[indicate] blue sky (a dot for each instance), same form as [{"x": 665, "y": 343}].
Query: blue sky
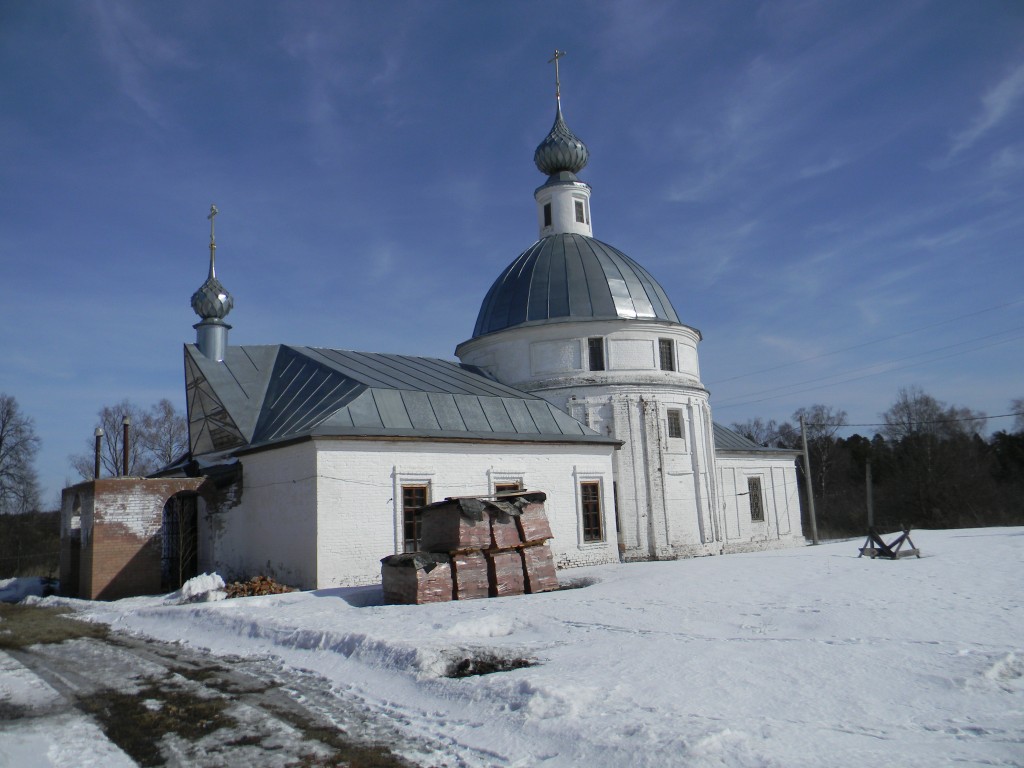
[{"x": 830, "y": 192}]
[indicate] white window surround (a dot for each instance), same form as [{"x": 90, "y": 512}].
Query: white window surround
[
  {"x": 407, "y": 476},
  {"x": 764, "y": 486},
  {"x": 581, "y": 209},
  {"x": 497, "y": 477},
  {"x": 590, "y": 475},
  {"x": 680, "y": 423},
  {"x": 667, "y": 354}
]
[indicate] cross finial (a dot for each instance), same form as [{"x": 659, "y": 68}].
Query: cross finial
[
  {"x": 558, "y": 88},
  {"x": 213, "y": 241}
]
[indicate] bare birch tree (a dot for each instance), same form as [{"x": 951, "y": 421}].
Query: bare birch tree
[
  {"x": 156, "y": 438},
  {"x": 19, "y": 487}
]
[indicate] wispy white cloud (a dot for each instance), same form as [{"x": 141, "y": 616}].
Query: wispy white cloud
[
  {"x": 641, "y": 27},
  {"x": 136, "y": 54},
  {"x": 381, "y": 262},
  {"x": 791, "y": 346},
  {"x": 826, "y": 166},
  {"x": 342, "y": 70},
  {"x": 756, "y": 130},
  {"x": 996, "y": 105},
  {"x": 1008, "y": 160}
]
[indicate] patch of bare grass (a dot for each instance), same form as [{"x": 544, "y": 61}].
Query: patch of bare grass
[
  {"x": 24, "y": 625},
  {"x": 137, "y": 721}
]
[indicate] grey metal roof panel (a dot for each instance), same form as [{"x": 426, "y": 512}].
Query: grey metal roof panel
[
  {"x": 728, "y": 440},
  {"x": 446, "y": 411},
  {"x": 498, "y": 419},
  {"x": 472, "y": 411},
  {"x": 520, "y": 415},
  {"x": 364, "y": 412},
  {"x": 391, "y": 407},
  {"x": 571, "y": 277},
  {"x": 420, "y": 410},
  {"x": 567, "y": 424},
  {"x": 300, "y": 394},
  {"x": 223, "y": 399},
  {"x": 406, "y": 372},
  {"x": 340, "y": 419},
  {"x": 287, "y": 392},
  {"x": 540, "y": 412},
  {"x": 326, "y": 430}
]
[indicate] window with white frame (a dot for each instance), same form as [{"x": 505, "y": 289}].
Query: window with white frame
[
  {"x": 756, "y": 499},
  {"x": 590, "y": 510},
  {"x": 414, "y": 498},
  {"x": 506, "y": 480}
]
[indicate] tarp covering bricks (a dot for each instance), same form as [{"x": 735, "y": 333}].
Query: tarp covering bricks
[{"x": 475, "y": 547}]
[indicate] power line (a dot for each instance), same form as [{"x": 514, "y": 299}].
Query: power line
[
  {"x": 785, "y": 390},
  {"x": 867, "y": 343},
  {"x": 932, "y": 421}
]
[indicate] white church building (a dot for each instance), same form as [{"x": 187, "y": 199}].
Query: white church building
[{"x": 579, "y": 380}]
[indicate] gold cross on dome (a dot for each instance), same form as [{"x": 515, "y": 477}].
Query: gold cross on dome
[
  {"x": 213, "y": 242},
  {"x": 558, "y": 88}
]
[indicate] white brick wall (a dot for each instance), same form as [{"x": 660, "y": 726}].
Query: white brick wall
[
  {"x": 673, "y": 499},
  {"x": 359, "y": 496},
  {"x": 272, "y": 529},
  {"x": 323, "y": 513},
  {"x": 781, "y": 525}
]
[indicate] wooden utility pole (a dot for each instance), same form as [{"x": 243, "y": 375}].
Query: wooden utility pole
[
  {"x": 809, "y": 484},
  {"x": 871, "y": 504}
]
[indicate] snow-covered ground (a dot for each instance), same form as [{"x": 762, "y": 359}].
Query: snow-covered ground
[{"x": 803, "y": 657}]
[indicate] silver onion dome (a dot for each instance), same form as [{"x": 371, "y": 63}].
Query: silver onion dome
[
  {"x": 561, "y": 150},
  {"x": 212, "y": 301}
]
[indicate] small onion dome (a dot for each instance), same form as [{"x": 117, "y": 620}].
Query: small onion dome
[
  {"x": 212, "y": 301},
  {"x": 560, "y": 150}
]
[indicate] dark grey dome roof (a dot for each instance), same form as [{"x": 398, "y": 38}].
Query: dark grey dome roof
[
  {"x": 572, "y": 277},
  {"x": 560, "y": 150}
]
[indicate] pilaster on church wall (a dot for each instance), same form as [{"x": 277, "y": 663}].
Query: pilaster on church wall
[
  {"x": 665, "y": 508},
  {"x": 654, "y": 450},
  {"x": 625, "y": 481}
]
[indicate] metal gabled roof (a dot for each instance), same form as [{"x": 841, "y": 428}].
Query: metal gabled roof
[
  {"x": 572, "y": 277},
  {"x": 266, "y": 394},
  {"x": 730, "y": 441}
]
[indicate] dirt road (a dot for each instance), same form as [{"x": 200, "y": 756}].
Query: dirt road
[{"x": 168, "y": 705}]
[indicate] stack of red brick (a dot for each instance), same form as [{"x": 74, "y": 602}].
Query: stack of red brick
[{"x": 472, "y": 547}]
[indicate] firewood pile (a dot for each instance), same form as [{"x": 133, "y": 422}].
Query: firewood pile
[
  {"x": 475, "y": 547},
  {"x": 257, "y": 585}
]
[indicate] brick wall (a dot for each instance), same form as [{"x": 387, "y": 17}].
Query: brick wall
[{"x": 119, "y": 534}]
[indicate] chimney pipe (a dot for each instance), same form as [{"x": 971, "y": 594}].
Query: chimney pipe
[
  {"x": 99, "y": 440},
  {"x": 126, "y": 424}
]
